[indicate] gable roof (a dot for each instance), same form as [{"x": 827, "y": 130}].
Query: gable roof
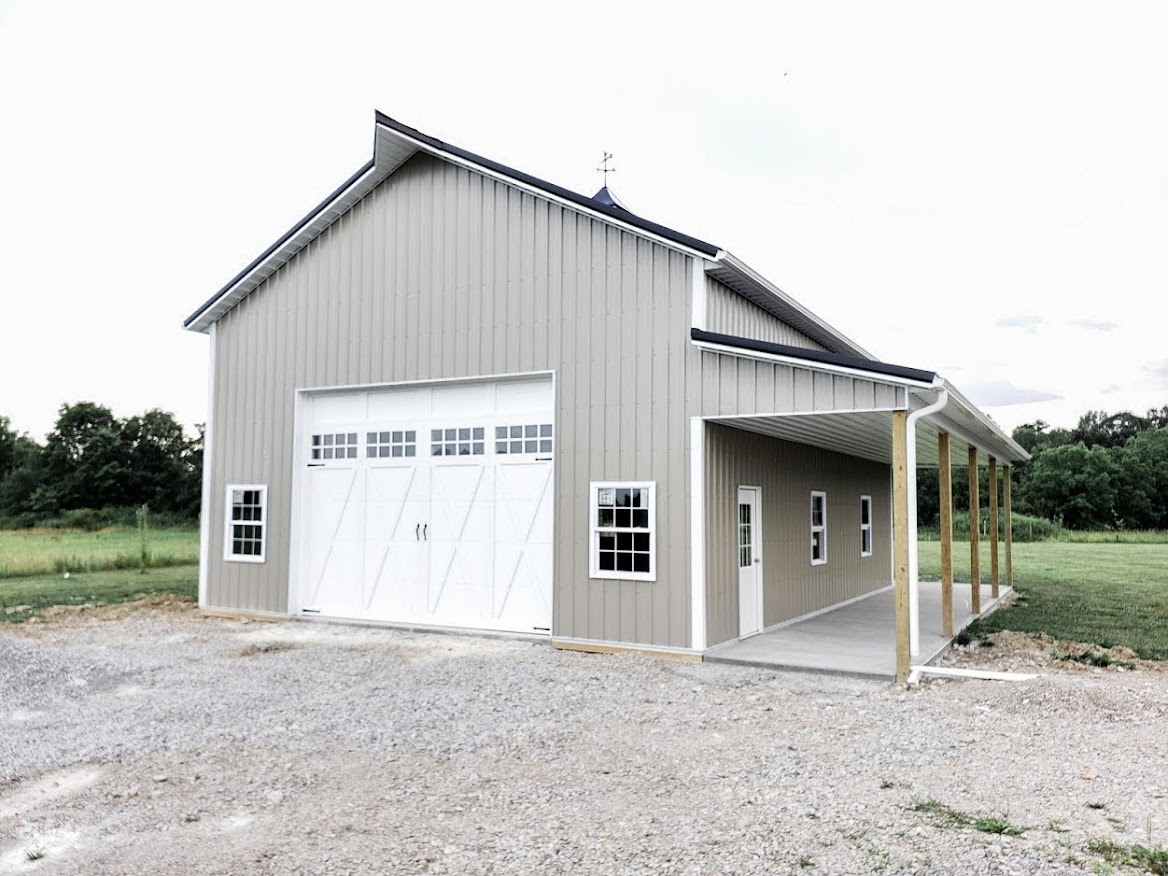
[{"x": 395, "y": 143}]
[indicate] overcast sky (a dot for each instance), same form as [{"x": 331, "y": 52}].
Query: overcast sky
[{"x": 982, "y": 192}]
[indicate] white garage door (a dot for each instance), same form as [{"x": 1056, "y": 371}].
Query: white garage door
[{"x": 430, "y": 505}]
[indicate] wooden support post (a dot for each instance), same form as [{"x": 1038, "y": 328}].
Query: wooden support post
[
  {"x": 945, "y": 476},
  {"x": 1007, "y": 473},
  {"x": 974, "y": 534},
  {"x": 993, "y": 497},
  {"x": 900, "y": 537}
]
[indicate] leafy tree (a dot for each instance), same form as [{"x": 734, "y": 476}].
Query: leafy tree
[
  {"x": 1100, "y": 429},
  {"x": 1075, "y": 484},
  {"x": 85, "y": 460},
  {"x": 157, "y": 460},
  {"x": 1143, "y": 481}
]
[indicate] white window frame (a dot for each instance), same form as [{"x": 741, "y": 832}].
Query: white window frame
[
  {"x": 595, "y": 530},
  {"x": 228, "y": 539},
  {"x": 821, "y": 529},
  {"x": 866, "y": 527}
]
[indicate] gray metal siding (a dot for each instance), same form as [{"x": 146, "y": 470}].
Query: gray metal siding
[
  {"x": 444, "y": 273},
  {"x": 729, "y": 313},
  {"x": 726, "y": 385},
  {"x": 787, "y": 473}
]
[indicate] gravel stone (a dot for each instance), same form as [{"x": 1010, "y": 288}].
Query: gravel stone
[{"x": 161, "y": 741}]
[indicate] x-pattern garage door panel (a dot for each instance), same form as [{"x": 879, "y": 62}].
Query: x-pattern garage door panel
[
  {"x": 417, "y": 510},
  {"x": 523, "y": 541},
  {"x": 396, "y": 569},
  {"x": 335, "y": 542}
]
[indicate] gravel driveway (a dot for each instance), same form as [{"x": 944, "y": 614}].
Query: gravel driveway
[{"x": 158, "y": 741}]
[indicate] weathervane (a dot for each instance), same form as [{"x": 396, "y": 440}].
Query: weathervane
[{"x": 604, "y": 168}]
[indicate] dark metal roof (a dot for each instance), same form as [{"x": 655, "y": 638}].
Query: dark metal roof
[
  {"x": 814, "y": 356},
  {"x": 616, "y": 212}
]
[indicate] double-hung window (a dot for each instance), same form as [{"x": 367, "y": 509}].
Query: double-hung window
[
  {"x": 623, "y": 531},
  {"x": 247, "y": 523},
  {"x": 865, "y": 526},
  {"x": 818, "y": 528}
]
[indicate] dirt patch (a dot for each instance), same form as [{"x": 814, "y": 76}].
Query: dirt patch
[
  {"x": 256, "y": 648},
  {"x": 1039, "y": 652},
  {"x": 78, "y": 615}
]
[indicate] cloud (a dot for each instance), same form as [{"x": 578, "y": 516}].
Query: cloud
[
  {"x": 1025, "y": 321},
  {"x": 1096, "y": 325},
  {"x": 1160, "y": 374},
  {"x": 997, "y": 393}
]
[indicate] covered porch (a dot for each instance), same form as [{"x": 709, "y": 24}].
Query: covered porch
[
  {"x": 882, "y": 619},
  {"x": 859, "y": 638}
]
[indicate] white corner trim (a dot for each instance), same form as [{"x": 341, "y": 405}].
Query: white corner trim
[
  {"x": 206, "y": 506},
  {"x": 699, "y": 315},
  {"x": 697, "y": 532}
]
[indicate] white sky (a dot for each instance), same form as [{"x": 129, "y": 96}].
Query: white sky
[{"x": 981, "y": 191}]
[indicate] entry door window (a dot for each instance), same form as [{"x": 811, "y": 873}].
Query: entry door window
[
  {"x": 818, "y": 528},
  {"x": 745, "y": 536}
]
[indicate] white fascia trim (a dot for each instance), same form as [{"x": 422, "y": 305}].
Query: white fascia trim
[
  {"x": 699, "y": 307},
  {"x": 697, "y": 532},
  {"x": 753, "y": 276},
  {"x": 233, "y": 296},
  {"x": 428, "y": 381},
  {"x": 207, "y": 506},
  {"x": 793, "y": 415},
  {"x": 541, "y": 193},
  {"x": 1017, "y": 452},
  {"x": 813, "y": 366}
]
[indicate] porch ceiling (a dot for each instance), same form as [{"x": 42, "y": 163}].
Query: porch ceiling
[{"x": 867, "y": 434}]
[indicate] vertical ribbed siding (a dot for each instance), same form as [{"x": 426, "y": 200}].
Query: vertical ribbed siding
[
  {"x": 443, "y": 273},
  {"x": 729, "y": 313},
  {"x": 725, "y": 385},
  {"x": 787, "y": 473}
]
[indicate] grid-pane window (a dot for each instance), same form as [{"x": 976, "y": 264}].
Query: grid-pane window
[
  {"x": 459, "y": 441},
  {"x": 745, "y": 547},
  {"x": 623, "y": 535},
  {"x": 525, "y": 438},
  {"x": 334, "y": 445},
  {"x": 246, "y": 522},
  {"x": 392, "y": 444},
  {"x": 818, "y": 528},
  {"x": 865, "y": 526}
]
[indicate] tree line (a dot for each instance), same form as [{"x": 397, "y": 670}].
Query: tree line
[
  {"x": 92, "y": 460},
  {"x": 1109, "y": 472}
]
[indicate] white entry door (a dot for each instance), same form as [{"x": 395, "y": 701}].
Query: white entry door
[
  {"x": 749, "y": 561},
  {"x": 429, "y": 505}
]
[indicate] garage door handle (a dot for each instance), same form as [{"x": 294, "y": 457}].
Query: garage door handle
[
  {"x": 416, "y": 528},
  {"x": 425, "y": 529}
]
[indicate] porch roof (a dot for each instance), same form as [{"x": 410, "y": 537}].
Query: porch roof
[{"x": 867, "y": 433}]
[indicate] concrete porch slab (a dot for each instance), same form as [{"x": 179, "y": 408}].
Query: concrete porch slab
[{"x": 858, "y": 638}]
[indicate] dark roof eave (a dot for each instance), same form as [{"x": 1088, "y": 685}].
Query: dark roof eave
[
  {"x": 616, "y": 213},
  {"x": 288, "y": 235},
  {"x": 839, "y": 359}
]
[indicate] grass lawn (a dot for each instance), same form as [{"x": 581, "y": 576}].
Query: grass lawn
[
  {"x": 27, "y": 552},
  {"x": 42, "y": 591},
  {"x": 1107, "y": 594}
]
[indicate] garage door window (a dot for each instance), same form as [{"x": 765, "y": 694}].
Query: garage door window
[
  {"x": 247, "y": 506},
  {"x": 527, "y": 438},
  {"x": 392, "y": 444},
  {"x": 623, "y": 531},
  {"x": 460, "y": 441},
  {"x": 334, "y": 445}
]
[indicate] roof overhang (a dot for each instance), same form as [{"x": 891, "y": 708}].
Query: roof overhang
[
  {"x": 868, "y": 434},
  {"x": 730, "y": 271}
]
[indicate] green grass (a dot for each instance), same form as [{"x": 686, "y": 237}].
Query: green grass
[
  {"x": 28, "y": 552},
  {"x": 1106, "y": 594},
  {"x": 1149, "y": 860},
  {"x": 42, "y": 591}
]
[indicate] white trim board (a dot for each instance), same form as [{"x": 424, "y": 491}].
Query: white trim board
[
  {"x": 697, "y": 532},
  {"x": 206, "y": 504}
]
